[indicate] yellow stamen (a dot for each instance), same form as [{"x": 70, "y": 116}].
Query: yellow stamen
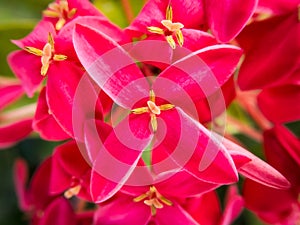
[
  {"x": 179, "y": 37},
  {"x": 72, "y": 191},
  {"x": 140, "y": 110},
  {"x": 153, "y": 122},
  {"x": 171, "y": 41},
  {"x": 59, "y": 57},
  {"x": 153, "y": 199},
  {"x": 155, "y": 30},
  {"x": 34, "y": 51},
  {"x": 169, "y": 13},
  {"x": 166, "y": 107}
]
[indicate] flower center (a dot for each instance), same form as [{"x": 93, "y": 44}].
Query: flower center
[
  {"x": 153, "y": 109},
  {"x": 72, "y": 191},
  {"x": 61, "y": 11},
  {"x": 170, "y": 29},
  {"x": 153, "y": 199},
  {"x": 47, "y": 54}
]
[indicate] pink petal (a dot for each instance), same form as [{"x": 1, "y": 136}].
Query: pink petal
[
  {"x": 192, "y": 186},
  {"x": 174, "y": 214},
  {"x": 27, "y": 67},
  {"x": 101, "y": 24},
  {"x": 63, "y": 79},
  {"x": 194, "y": 148},
  {"x": 205, "y": 209},
  {"x": 45, "y": 123},
  {"x": 20, "y": 180},
  {"x": 15, "y": 132},
  {"x": 227, "y": 18},
  {"x": 110, "y": 66},
  {"x": 38, "y": 37},
  {"x": 256, "y": 169},
  {"x": 58, "y": 212},
  {"x": 68, "y": 165},
  {"x": 9, "y": 94},
  {"x": 197, "y": 75},
  {"x": 122, "y": 210},
  {"x": 263, "y": 65},
  {"x": 234, "y": 206},
  {"x": 116, "y": 157},
  {"x": 278, "y": 6},
  {"x": 40, "y": 184},
  {"x": 278, "y": 103}
]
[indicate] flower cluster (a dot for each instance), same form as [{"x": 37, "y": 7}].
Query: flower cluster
[{"x": 141, "y": 112}]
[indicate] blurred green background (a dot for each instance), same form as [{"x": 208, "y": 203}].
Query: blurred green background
[{"x": 17, "y": 19}]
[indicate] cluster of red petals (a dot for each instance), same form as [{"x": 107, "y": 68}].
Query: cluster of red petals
[{"x": 142, "y": 143}]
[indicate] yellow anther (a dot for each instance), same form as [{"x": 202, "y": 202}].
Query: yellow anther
[
  {"x": 72, "y": 191},
  {"x": 34, "y": 51},
  {"x": 155, "y": 30},
  {"x": 153, "y": 122},
  {"x": 153, "y": 199},
  {"x": 140, "y": 110},
  {"x": 171, "y": 41},
  {"x": 60, "y": 57},
  {"x": 169, "y": 13},
  {"x": 179, "y": 37},
  {"x": 166, "y": 107},
  {"x": 51, "y": 40}
]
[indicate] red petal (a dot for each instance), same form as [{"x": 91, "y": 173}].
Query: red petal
[
  {"x": 264, "y": 65},
  {"x": 20, "y": 180},
  {"x": 234, "y": 206},
  {"x": 58, "y": 212},
  {"x": 110, "y": 66},
  {"x": 282, "y": 152},
  {"x": 272, "y": 205},
  {"x": 63, "y": 79},
  {"x": 194, "y": 148},
  {"x": 45, "y": 123},
  {"x": 15, "y": 132},
  {"x": 256, "y": 169},
  {"x": 9, "y": 94},
  {"x": 27, "y": 67},
  {"x": 174, "y": 214},
  {"x": 116, "y": 157},
  {"x": 38, "y": 37},
  {"x": 197, "y": 75},
  {"x": 227, "y": 18},
  {"x": 280, "y": 104},
  {"x": 122, "y": 210}
]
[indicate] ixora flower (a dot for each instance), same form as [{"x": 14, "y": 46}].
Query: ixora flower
[
  {"x": 164, "y": 207},
  {"x": 162, "y": 105},
  {"x": 47, "y": 54},
  {"x": 61, "y": 12},
  {"x": 41, "y": 206},
  {"x": 272, "y": 205},
  {"x": 173, "y": 22},
  {"x": 19, "y": 119},
  {"x": 180, "y": 20}
]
